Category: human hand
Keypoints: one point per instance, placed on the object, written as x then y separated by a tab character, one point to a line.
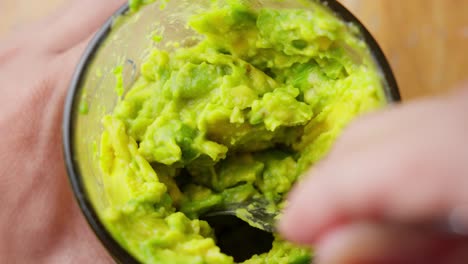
389	188
39	220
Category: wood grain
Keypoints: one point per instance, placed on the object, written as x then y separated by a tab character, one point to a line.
426	41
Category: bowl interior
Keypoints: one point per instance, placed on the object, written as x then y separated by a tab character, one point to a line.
121	45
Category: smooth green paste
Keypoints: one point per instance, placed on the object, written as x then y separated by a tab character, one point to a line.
242	113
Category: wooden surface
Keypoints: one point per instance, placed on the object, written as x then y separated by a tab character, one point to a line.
426	41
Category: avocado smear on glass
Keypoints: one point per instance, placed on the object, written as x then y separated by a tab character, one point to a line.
241	114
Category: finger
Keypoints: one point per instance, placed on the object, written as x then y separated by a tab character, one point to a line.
388	180
380	126
374	243
77	22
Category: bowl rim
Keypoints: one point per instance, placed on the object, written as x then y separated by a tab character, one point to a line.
117	252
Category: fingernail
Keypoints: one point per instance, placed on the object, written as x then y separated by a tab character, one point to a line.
286	222
356	243
289	216
332	248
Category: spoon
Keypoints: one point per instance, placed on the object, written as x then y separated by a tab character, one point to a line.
261	214
257	212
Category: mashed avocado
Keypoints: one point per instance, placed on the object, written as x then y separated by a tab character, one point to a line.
240	114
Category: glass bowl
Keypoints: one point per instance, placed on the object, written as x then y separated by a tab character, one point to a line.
123	41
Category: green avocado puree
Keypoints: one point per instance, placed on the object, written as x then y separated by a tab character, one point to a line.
242	113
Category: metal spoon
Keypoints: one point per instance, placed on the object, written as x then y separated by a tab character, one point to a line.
257	212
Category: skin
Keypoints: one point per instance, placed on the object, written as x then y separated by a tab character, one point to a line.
40	221
422	179
388	175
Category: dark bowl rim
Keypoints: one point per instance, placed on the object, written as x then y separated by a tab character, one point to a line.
119	254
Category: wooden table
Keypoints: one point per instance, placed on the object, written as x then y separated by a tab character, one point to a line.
426	41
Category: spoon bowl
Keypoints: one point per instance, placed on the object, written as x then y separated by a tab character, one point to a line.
257	212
